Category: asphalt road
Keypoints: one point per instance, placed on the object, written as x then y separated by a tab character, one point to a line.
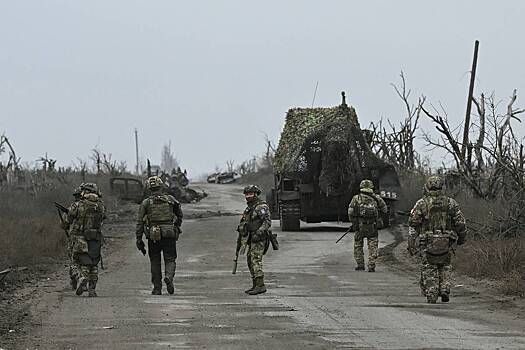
315	299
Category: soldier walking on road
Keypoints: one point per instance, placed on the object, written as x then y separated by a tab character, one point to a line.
436	223
364	212
84	220
159	218
254	230
74	268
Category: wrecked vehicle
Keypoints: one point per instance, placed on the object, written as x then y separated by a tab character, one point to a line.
321	158
127	188
223	178
176	184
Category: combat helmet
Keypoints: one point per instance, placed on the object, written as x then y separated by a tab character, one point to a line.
366	186
252	189
90	187
154	183
434	183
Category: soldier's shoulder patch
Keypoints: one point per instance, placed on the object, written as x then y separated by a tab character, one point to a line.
263	210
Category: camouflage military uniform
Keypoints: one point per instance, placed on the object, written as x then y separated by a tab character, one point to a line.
160	218
436	222
254	228
74	268
364	213
84	220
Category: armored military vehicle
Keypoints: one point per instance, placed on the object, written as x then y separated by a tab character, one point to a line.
322	156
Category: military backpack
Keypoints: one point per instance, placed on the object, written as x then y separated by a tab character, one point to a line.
367	209
91	213
437	226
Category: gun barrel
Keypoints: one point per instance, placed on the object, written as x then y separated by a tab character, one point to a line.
61	207
343	236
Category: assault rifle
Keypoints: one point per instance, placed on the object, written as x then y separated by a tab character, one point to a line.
344	234
61	209
241	248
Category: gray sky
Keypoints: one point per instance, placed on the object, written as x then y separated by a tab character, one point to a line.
211	76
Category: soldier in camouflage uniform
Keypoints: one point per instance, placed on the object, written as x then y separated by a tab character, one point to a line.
365	212
84	220
159	218
436	223
74	268
254	228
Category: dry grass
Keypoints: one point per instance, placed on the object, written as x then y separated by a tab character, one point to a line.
502	260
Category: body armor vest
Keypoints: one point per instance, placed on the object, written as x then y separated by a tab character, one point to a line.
160	210
89	220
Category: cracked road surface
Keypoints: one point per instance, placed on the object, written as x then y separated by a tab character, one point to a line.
315	299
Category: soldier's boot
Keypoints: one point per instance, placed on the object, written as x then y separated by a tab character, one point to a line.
247	291
259	286
91	288
371	268
445	297
169	276
360	268
81	285
157	290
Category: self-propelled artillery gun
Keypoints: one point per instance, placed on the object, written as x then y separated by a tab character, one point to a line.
322	156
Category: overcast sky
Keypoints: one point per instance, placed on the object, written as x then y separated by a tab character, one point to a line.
213	76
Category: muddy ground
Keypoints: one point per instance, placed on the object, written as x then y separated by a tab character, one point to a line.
315	299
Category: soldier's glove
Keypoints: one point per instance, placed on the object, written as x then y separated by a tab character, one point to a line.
141	246
460	241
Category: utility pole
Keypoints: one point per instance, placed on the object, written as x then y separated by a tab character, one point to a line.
315	93
137	151
469	101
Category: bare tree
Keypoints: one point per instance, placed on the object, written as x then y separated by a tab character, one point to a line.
397	144
229	165
168	161
48	164
96	157
496	156
113	167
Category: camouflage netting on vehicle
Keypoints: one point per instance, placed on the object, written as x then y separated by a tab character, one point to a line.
300	123
327	144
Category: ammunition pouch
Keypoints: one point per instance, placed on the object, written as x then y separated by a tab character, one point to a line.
80	245
155	234
442	259
159	231
439	242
